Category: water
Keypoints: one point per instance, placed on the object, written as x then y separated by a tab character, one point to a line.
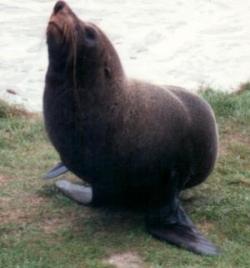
186	43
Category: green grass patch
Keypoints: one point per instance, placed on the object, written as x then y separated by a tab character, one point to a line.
41	228
228	106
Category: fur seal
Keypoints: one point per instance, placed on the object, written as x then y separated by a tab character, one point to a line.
130	140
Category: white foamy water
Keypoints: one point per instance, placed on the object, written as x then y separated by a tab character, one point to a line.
186	43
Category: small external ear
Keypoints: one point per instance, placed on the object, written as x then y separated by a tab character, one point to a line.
107	71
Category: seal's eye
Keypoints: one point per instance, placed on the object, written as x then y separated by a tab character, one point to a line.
90	36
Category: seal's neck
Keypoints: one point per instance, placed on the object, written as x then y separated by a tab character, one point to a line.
87	86
97	87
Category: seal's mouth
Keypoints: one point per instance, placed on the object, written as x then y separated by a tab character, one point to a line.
53	27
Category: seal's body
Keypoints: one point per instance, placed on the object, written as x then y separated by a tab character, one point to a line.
125	137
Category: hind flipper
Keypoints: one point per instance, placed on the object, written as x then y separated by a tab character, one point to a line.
176	228
56	171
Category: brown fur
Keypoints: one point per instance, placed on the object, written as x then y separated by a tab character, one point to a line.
121	135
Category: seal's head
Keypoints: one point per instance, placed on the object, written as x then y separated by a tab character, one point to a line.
78	44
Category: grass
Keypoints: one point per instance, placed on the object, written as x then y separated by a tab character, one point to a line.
41	228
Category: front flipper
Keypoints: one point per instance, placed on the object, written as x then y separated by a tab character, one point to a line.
176	228
78	193
56	171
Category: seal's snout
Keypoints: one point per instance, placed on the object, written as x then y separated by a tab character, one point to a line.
61	19
61	25
60	5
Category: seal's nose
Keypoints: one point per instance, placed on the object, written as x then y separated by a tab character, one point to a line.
59	6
